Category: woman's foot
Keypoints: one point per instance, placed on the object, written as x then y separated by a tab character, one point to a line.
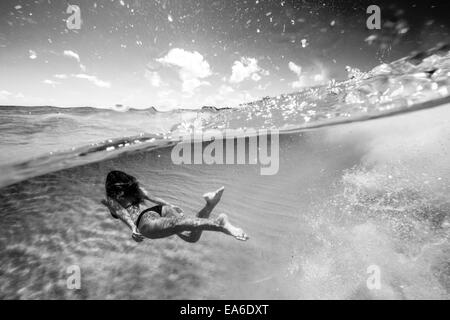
212	198
236	232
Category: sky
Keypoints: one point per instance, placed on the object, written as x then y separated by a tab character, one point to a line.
188	54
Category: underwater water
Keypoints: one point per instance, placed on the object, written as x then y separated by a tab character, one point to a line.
363	181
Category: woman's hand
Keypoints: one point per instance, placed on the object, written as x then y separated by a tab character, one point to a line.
137	236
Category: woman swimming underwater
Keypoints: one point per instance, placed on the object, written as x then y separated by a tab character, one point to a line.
125	196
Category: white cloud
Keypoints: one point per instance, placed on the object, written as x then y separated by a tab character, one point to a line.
295	68
256	77
4	94
319	77
246	68
224	89
189	61
192	83
72	54
50	82
298	71
61	76
192	68
153	77
32	54
93	79
307	80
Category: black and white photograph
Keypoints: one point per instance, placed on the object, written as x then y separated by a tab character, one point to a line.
224	150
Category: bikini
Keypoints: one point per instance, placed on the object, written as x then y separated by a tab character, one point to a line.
157	209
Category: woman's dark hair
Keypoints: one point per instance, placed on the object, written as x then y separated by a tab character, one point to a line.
123	188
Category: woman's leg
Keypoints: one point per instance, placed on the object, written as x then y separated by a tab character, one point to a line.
212	199
155	228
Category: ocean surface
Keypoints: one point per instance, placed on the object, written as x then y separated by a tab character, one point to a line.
363	181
